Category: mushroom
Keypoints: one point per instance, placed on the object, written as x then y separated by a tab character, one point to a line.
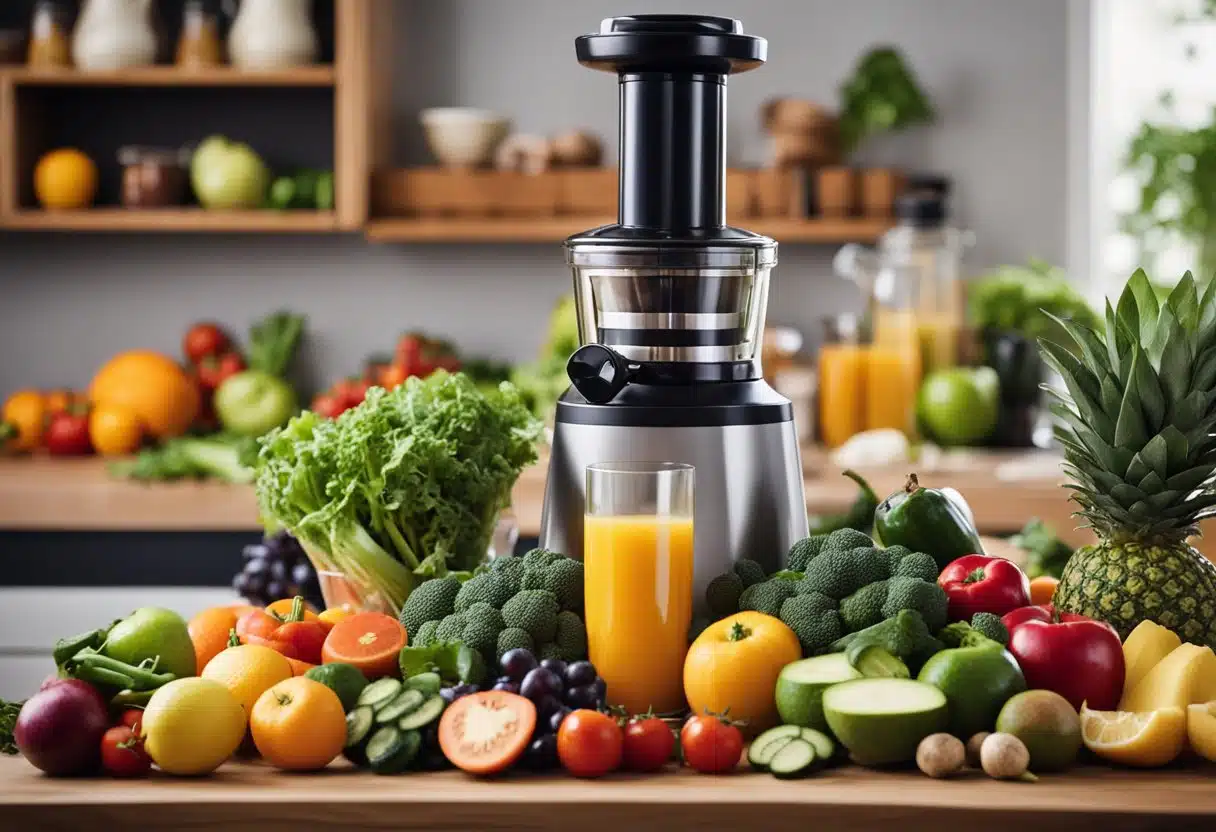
524	153
577	148
940	755
973	748
1005	757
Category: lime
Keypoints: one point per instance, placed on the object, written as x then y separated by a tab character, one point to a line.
152	632
346	680
959	406
1047	725
977	681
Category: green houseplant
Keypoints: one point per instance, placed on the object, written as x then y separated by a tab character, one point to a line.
881	96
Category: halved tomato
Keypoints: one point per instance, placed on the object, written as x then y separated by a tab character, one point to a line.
485	733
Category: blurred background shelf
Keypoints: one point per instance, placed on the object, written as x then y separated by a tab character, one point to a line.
171	220
172	76
556	229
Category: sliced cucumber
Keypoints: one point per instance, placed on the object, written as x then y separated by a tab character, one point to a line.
424	715
428	683
795	758
405	702
825	746
763	747
390	750
358	725
379	693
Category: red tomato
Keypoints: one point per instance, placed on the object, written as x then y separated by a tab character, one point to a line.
392	376
203	340
648	744
350	392
328	406
213	370
131	718
589	743
68	434
122	754
711	744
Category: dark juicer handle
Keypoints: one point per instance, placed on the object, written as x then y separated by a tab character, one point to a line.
599	373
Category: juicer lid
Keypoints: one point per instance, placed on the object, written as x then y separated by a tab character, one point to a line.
693	248
671	43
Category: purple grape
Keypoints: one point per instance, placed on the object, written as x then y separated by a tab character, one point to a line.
542	753
517	663
556	665
255	551
278	570
547	706
580	673
302	574
555	721
601	688
540	682
276	589
240	583
448	695
508	686
258	566
584	696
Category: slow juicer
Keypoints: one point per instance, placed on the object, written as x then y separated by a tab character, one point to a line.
671	306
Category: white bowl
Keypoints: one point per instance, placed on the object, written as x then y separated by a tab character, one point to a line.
463	137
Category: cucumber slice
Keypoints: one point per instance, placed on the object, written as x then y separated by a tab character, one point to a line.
825	746
390	751
424	715
379	693
358	725
405	702
763	747
428	683
795	758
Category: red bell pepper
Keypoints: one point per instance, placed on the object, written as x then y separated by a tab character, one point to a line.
1077	657
293	635
979	583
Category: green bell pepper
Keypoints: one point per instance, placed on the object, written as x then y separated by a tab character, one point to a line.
935	521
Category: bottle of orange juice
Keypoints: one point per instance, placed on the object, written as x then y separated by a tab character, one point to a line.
842	380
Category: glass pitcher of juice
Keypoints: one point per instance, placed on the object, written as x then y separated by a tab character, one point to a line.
842	380
638	569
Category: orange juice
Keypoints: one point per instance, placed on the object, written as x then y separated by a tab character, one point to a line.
842	382
638	577
893	371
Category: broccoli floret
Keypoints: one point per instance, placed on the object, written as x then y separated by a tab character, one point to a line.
534	610
814	619
864	607
486	588
751	572
450	628
425	635
511	638
842	540
510	570
914	594
540	558
564	578
991	626
430	601
766	597
895	554
916	565
482	624
805	551
571	638
839	574
904	635
722	595
549	650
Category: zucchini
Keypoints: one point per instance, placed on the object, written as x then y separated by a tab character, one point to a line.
763	747
795	758
358	725
379	693
424	715
427	683
390	751
405	702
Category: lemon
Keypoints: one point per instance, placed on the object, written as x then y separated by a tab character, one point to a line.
1201	729
191	726
248	671
1135	738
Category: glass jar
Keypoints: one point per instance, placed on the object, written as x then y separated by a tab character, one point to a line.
199	45
842	379
153	177
49	45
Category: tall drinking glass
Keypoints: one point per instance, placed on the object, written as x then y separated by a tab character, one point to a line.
637	555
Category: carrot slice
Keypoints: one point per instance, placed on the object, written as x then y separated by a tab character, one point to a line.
484	733
368	640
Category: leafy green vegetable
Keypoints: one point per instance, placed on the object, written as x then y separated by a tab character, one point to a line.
408	484
220	457
8	721
1046	553
1022	298
881	96
543	381
453	661
273	341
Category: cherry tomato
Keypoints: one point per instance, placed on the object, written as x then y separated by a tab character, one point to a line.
67	434
131	718
213	370
203	340
394	375
648	744
350	392
57	401
328	406
122	753
711	744
589	743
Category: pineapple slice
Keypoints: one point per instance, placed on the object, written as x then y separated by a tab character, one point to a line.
1201	729
1145	646
1185	677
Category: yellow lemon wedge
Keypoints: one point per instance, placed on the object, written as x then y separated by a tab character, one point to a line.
1201	729
1135	738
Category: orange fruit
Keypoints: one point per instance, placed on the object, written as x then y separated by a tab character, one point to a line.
114	430
248	671
371	641
26	411
299	725
298	667
153	387
282	608
1043	589
209	631
65	180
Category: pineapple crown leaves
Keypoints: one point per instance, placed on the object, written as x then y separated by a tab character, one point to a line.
1137	414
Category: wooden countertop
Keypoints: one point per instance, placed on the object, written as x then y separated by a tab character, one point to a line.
252	796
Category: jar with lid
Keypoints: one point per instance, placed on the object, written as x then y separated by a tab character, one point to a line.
153	177
49	45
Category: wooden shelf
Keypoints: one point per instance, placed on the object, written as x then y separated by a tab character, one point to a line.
171	220
171	76
556	229
254	796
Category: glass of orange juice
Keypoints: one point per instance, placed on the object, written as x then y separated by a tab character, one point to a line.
842	380
637	556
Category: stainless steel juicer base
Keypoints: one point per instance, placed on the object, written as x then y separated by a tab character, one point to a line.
749	497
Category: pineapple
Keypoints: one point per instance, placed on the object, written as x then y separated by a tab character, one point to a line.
1137	424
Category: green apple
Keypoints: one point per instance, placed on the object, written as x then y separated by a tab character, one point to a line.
153	633
959	406
252	402
228	175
